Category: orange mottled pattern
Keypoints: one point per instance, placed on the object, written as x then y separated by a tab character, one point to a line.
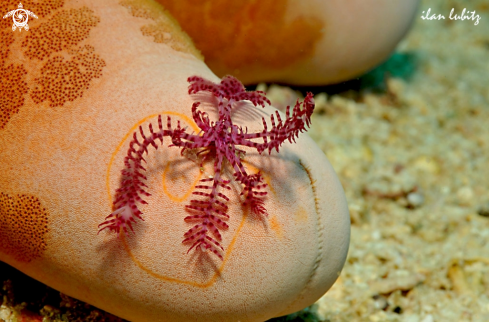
12	77
227	31
64	67
23	226
62	81
13	86
64	30
12	83
164	28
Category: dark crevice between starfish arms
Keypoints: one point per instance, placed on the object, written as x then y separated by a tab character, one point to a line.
220	138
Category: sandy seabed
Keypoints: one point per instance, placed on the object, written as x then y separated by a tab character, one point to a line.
414	163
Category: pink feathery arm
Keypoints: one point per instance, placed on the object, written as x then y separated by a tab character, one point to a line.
209	212
282	130
132	189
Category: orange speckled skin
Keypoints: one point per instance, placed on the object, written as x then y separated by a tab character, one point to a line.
111	66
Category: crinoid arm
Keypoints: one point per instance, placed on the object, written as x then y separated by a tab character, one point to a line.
132	189
220	138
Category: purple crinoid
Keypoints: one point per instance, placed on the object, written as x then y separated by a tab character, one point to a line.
221	137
